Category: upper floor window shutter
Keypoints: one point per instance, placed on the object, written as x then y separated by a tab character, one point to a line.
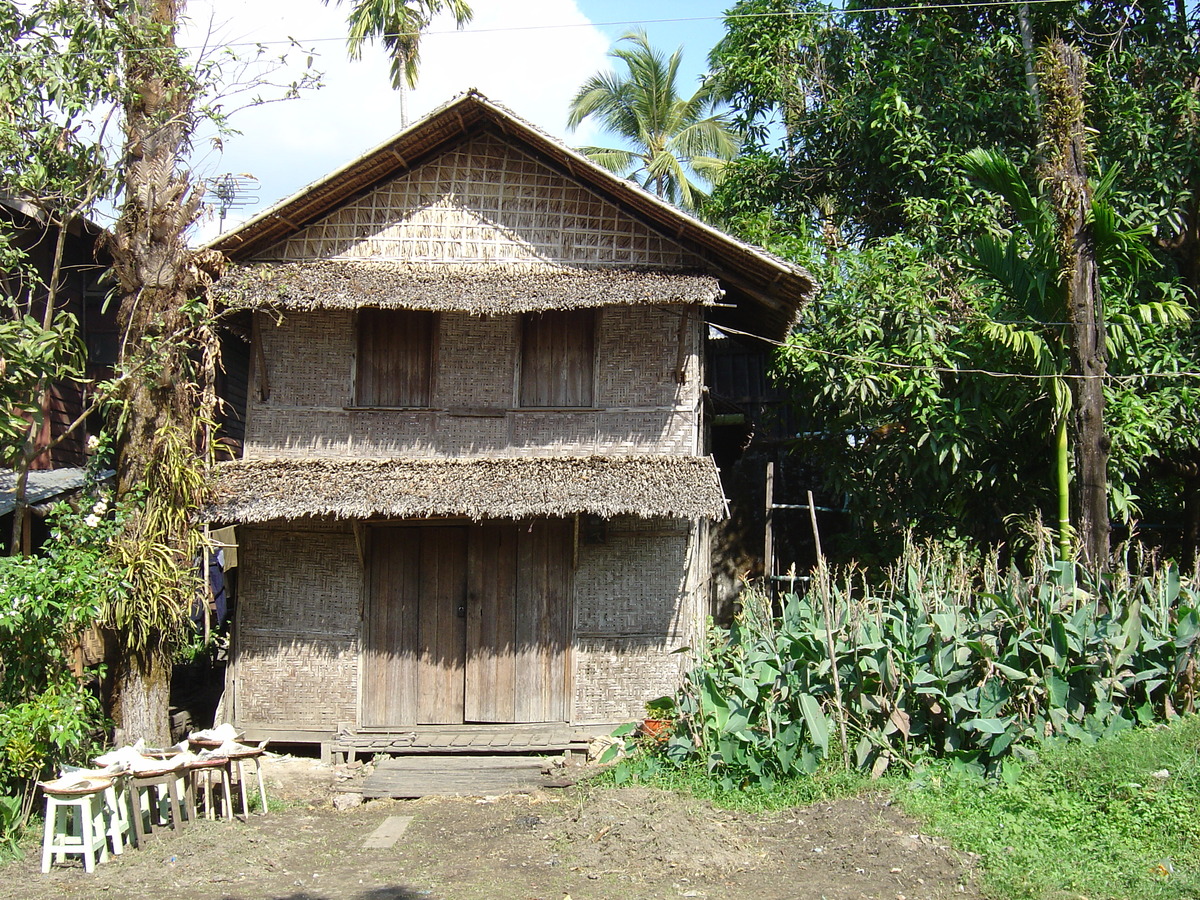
395	357
558	355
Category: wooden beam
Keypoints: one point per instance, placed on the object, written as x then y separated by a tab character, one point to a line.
769	531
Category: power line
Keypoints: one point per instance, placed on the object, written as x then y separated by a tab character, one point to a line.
682	20
951	370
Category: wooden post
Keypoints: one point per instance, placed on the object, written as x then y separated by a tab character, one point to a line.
822	584
769	535
209	598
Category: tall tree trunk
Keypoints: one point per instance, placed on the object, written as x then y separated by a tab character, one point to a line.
1027	55
157	275
1066	172
141	702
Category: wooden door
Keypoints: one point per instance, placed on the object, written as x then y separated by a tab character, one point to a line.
519	622
416	626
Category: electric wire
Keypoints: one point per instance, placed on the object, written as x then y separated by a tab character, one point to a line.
682	20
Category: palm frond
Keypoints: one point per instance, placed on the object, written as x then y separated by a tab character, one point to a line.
996	172
711	136
617	161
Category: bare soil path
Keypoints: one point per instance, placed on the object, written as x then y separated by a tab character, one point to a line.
581	843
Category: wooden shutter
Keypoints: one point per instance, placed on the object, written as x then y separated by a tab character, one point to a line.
519	621
416	626
558	353
395	357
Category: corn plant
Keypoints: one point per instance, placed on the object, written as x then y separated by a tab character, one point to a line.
944	657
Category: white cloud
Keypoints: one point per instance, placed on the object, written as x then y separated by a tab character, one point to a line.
506	52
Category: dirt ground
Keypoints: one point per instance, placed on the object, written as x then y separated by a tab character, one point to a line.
578	843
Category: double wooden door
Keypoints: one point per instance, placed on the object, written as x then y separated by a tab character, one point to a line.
467	623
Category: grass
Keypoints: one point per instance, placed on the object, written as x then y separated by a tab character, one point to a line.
828	783
1091	822
1085	822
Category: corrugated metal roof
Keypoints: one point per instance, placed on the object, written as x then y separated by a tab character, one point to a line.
43	486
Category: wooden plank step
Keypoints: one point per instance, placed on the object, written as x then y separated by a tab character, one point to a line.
409	777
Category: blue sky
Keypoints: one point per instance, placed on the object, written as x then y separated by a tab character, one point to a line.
529	55
695	26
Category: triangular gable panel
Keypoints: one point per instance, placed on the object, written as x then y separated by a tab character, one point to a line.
484	202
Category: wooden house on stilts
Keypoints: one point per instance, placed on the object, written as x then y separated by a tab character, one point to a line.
473	492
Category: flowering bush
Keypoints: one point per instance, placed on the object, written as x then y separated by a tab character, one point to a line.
47	714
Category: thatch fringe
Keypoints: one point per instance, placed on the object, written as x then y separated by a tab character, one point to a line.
262	490
481	290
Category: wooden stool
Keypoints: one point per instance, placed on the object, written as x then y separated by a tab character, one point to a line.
239	760
116	816
206	771
149	811
76	822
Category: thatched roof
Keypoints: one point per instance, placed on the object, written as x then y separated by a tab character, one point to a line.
263	490
490	290
765	291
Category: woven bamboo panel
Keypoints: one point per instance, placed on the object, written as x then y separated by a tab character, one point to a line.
536	433
483	203
646	341
460	436
309	359
634	584
310	365
475	368
297	684
614	679
649	431
384	433
638	598
279	431
299	613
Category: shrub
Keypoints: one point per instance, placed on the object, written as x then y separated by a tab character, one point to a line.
946	659
48	715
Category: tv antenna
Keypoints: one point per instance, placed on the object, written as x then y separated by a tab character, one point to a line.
232	192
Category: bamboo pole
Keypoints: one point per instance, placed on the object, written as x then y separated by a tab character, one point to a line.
769	531
827	610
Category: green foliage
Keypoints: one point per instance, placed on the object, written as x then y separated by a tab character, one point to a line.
860	119
1116	819
57	68
902	418
829	782
32	356
398	24
47	715
945	658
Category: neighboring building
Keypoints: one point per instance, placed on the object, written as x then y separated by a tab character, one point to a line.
474	490
57	472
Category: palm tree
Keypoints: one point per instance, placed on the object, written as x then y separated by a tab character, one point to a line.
673	138
1031	317
398	24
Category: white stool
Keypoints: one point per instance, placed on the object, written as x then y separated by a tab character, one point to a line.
239	761
117	816
76	822
203	774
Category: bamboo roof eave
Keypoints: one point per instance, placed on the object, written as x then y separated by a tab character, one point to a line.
772	289
646	486
479	290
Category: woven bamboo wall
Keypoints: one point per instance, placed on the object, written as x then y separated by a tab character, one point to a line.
637	599
308	365
298	620
483	203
